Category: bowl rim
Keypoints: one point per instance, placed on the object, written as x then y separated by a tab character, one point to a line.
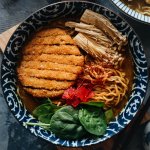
131	12
78	1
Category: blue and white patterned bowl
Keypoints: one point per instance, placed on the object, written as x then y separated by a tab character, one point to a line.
71	10
131	12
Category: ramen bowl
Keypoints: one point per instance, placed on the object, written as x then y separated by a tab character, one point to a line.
71	10
131	12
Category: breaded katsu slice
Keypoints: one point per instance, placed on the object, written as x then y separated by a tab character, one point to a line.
52	49
61	59
48	93
50	64
50	32
53	40
42	65
47	74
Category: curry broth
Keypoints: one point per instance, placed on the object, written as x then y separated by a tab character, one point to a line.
136	4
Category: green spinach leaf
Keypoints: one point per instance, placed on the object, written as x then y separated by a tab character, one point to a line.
109	115
93	120
45	111
45	118
65	123
96	104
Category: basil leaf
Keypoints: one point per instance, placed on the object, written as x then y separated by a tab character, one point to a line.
93	120
65	123
96	104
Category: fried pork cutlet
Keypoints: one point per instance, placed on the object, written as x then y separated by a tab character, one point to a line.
41	92
52	49
50	32
61	59
53	40
50	64
44	83
47	74
41	65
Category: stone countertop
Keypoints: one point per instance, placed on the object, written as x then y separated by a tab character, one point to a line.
12	135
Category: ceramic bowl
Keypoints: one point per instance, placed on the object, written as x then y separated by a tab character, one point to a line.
71	10
134	14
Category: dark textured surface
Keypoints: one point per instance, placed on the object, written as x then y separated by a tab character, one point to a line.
15	11
12	135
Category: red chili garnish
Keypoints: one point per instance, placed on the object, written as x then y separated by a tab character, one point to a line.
69	93
84	93
74	96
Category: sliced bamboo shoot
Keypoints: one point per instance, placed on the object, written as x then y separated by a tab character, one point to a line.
81	25
105	25
99	38
91	31
99	52
91	47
